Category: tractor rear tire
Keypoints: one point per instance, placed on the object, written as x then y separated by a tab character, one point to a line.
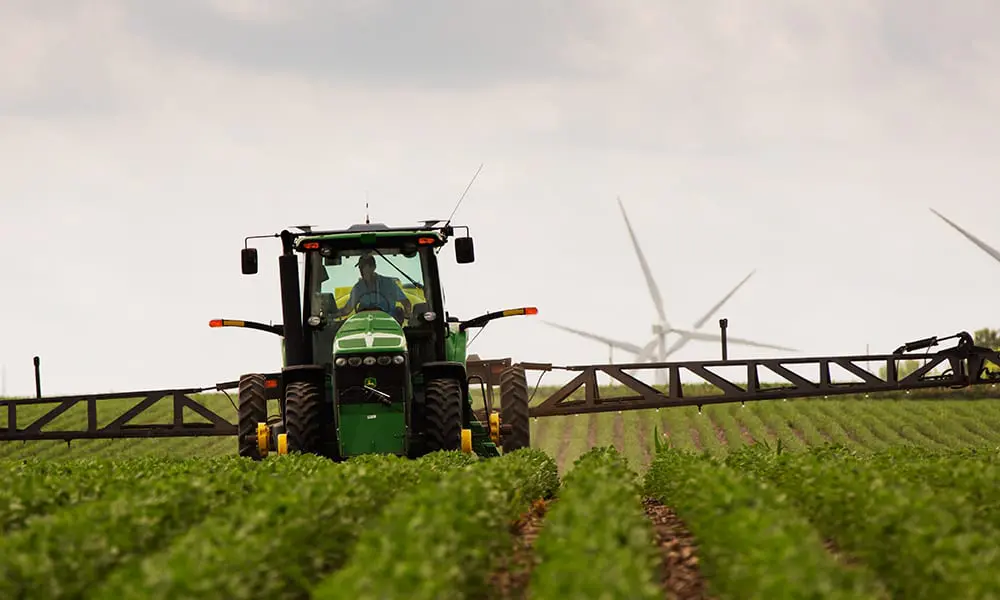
304	418
252	410
443	415
514	408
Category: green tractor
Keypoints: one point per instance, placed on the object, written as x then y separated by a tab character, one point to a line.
372	362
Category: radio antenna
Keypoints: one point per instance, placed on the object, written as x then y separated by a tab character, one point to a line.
448	222
367	218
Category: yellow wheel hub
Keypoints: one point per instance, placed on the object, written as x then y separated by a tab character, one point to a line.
495	428
263	434
466	440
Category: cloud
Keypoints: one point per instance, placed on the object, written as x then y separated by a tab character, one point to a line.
58	62
429	44
724	78
715	79
141	142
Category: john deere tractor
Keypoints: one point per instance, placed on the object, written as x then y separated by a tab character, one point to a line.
372	362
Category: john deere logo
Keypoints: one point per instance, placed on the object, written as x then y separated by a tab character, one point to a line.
370	381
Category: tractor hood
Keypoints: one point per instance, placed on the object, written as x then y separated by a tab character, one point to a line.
369	331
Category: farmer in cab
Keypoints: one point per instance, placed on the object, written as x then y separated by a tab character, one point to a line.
374	291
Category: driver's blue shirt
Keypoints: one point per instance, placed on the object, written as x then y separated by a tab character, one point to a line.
382	294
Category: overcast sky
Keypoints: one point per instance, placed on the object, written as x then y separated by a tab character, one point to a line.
141	141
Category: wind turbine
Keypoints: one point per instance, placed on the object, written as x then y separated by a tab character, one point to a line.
983	245
656	349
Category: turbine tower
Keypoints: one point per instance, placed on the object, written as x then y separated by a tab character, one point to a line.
656	349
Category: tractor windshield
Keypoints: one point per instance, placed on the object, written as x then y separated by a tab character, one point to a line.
356	280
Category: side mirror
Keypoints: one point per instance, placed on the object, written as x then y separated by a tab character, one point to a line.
465	252
248	256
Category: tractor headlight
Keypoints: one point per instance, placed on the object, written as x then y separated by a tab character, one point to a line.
354	361
341	361
384	360
398	359
369	360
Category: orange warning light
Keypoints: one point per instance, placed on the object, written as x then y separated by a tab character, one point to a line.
226	323
528	310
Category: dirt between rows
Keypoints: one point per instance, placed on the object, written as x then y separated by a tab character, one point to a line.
680	574
511	580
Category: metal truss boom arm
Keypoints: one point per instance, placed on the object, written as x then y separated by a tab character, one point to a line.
121	426
966	365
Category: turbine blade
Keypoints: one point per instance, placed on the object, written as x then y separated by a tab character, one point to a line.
650	283
680	343
593	336
714	337
647	350
982	245
718	305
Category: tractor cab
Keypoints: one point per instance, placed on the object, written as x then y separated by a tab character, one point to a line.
376	290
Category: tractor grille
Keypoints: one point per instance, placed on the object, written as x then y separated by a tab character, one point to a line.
389	379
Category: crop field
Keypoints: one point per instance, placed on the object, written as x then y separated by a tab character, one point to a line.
838	498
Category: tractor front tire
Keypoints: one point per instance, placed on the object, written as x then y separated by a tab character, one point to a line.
304	418
443	415
252	410
514	409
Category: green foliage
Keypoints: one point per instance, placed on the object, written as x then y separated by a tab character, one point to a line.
61	554
276	543
657	443
988	338
441	541
597	541
923	538
752	542
970	474
916	517
34	488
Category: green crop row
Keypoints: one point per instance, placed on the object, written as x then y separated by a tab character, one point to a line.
752	542
597	541
34	488
441	541
923	539
968	476
63	553
279	541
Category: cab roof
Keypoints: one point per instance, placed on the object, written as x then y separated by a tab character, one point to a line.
362	235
